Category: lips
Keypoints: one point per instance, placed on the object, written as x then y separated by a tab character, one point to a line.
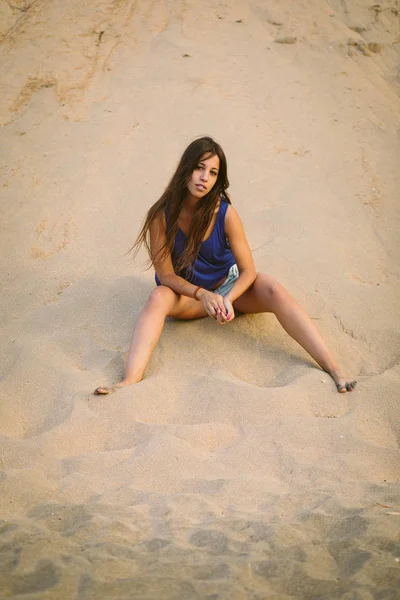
201	187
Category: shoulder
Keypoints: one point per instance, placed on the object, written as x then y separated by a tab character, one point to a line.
233	224
159	223
232	215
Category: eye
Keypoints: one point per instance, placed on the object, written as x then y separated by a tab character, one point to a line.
199	167
214	173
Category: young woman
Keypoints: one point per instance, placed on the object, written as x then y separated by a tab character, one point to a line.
204	266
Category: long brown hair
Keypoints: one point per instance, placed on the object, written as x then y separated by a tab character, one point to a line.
171	203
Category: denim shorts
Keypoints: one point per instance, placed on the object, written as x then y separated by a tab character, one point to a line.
227	284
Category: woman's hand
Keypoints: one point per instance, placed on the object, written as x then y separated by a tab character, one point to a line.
230	313
213	305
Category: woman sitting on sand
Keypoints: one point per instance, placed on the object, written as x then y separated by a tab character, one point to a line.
204	265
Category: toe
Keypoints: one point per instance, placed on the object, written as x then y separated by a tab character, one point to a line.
345	386
101	391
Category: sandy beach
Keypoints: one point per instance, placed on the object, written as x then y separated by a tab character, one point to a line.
234	470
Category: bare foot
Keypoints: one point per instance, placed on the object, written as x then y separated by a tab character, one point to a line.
103	390
343	385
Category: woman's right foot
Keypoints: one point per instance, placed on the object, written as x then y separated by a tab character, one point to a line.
103	390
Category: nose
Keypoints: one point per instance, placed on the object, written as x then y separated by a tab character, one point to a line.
204	175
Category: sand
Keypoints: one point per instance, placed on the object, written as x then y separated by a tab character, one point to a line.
233	470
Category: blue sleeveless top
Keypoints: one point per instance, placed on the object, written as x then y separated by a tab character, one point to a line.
215	257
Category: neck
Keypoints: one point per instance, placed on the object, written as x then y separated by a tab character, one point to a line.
190	202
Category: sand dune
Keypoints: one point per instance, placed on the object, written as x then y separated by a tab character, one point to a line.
233	470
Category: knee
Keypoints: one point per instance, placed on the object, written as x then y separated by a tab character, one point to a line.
160	298
275	293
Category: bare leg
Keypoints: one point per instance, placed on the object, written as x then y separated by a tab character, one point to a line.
267	295
163	302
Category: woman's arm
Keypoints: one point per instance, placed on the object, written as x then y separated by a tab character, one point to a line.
163	264
213	303
242	253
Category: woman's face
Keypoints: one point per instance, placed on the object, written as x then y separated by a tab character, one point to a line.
204	176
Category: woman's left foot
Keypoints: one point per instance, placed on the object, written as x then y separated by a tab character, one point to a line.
344	385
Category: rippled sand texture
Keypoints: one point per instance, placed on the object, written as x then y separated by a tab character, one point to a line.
234	470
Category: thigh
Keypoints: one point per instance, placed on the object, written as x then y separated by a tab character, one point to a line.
163	300
186	308
262	296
